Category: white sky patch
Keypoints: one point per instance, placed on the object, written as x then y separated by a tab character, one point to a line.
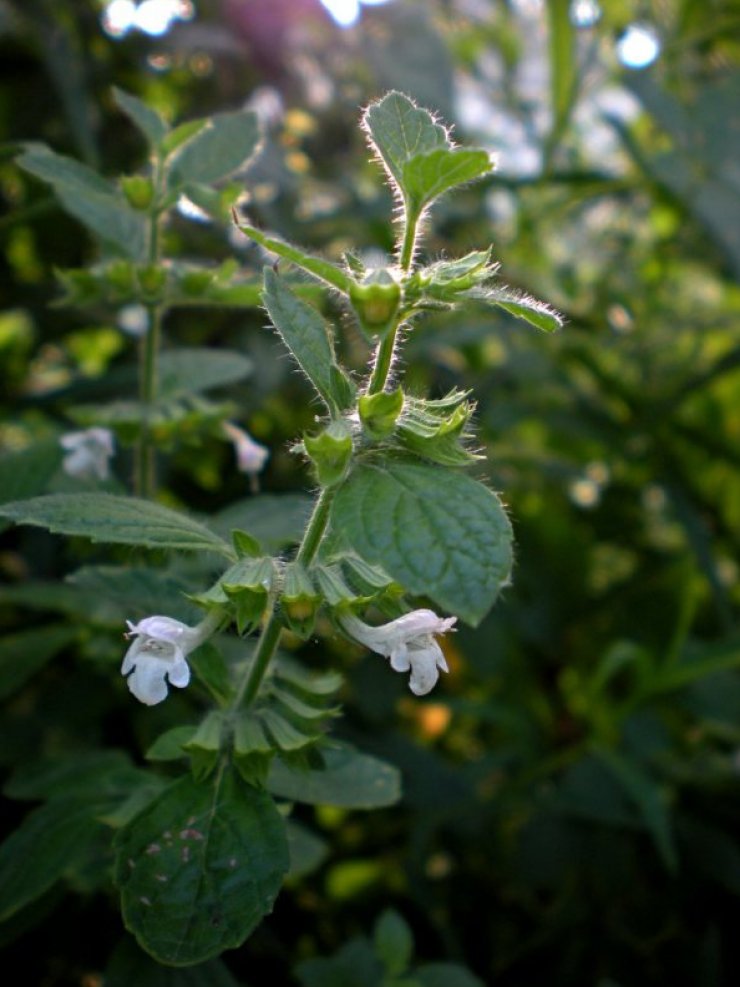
153	17
347	12
638	46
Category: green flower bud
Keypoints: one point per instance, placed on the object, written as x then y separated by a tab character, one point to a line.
120	276
376	301
331	452
379	412
248	584
152	280
139	191
195	283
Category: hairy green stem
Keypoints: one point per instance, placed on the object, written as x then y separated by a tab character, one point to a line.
411	223
383	360
270	636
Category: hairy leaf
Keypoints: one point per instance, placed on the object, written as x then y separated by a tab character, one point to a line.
223	146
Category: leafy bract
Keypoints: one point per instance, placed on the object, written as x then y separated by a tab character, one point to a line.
200	867
437	532
106	517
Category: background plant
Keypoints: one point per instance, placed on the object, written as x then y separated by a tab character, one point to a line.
613	442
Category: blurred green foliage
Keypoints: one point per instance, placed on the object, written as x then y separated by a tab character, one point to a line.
571	798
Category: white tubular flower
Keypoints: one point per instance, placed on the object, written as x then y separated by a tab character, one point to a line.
251	456
88	453
409	642
157	656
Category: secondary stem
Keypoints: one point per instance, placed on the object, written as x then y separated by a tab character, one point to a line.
383	360
270	636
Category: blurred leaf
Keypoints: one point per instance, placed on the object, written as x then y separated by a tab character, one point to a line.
89	198
108	518
354	965
26	473
135	592
25	652
148	121
651	804
307	851
188	370
129	966
446	975
393	942
435	531
225	145
349	779
220	847
276	520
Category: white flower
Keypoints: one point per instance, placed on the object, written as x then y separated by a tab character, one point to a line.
251	456
409	642
157	656
88	453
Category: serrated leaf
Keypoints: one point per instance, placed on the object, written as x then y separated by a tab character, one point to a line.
399	130
222	147
427	176
148	121
188	370
200	868
109	518
89	198
435	531
307	337
26	652
349	779
418	153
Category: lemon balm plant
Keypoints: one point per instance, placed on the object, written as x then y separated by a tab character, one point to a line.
401	541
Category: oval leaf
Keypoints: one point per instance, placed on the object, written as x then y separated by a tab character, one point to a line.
435	531
200	867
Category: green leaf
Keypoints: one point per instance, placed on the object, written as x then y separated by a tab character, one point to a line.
200	868
435	531
188	370
130	967
354	965
446	975
100	773
89	198
393	942
537	313
27	472
148	121
135	592
307	851
317	266
279	518
417	152
169	745
222	147
427	176
646	795
50	841
307	337
109	518
350	779
24	653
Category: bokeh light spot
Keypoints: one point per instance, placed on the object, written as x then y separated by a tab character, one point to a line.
638	46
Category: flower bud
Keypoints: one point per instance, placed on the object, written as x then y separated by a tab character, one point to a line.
376	301
152	280
379	412
300	601
139	191
331	452
248	584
